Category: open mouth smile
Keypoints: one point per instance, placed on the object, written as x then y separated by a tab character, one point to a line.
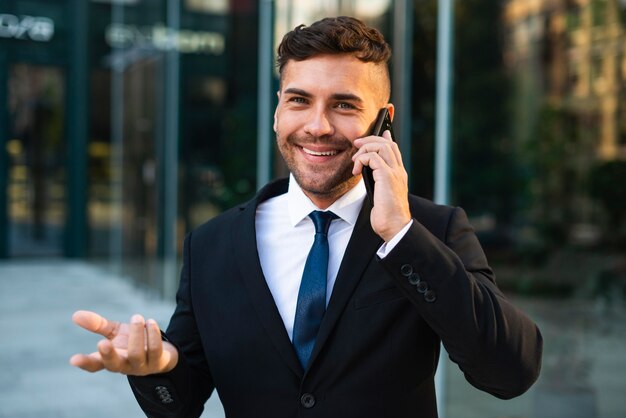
320	153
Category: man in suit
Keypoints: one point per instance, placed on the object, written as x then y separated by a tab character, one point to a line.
402	274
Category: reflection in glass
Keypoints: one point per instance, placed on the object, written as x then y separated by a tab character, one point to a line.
208	6
539	161
36	175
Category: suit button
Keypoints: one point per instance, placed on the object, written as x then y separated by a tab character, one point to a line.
307	400
422	286
430	296
164	394
414	279
406	270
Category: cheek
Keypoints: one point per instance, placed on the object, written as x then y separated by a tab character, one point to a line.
353	128
353	134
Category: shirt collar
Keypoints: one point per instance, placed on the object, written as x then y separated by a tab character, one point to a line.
347	207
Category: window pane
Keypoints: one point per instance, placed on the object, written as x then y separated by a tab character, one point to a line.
37	195
539	163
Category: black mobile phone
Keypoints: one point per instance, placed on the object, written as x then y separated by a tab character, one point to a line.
381	124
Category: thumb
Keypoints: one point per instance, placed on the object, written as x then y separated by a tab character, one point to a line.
93	322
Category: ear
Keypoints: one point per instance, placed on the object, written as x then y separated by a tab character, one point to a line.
275	126
391	109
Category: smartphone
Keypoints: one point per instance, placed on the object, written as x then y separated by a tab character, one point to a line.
381	124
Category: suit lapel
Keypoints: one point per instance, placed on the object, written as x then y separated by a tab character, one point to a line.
244	234
360	251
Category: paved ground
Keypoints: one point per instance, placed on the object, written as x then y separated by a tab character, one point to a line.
583	376
38	338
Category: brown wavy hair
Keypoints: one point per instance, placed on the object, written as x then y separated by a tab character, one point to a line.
334	35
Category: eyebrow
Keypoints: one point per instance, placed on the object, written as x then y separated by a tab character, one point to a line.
337	96
299	92
349	97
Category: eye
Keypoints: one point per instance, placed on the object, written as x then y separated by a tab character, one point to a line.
298	100
345	105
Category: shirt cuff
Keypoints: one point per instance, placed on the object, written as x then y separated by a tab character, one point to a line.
390	245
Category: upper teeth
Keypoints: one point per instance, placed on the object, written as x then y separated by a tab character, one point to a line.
325	153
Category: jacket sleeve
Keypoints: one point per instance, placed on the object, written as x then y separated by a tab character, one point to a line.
182	392
497	346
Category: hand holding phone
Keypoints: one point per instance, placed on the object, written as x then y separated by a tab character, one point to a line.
381	124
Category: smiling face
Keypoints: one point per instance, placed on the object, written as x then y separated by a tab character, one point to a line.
325	103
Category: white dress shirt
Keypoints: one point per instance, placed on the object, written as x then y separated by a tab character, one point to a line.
285	234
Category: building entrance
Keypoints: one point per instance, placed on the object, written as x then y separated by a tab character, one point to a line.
36	175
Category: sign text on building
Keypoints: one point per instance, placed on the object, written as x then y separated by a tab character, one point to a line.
35	28
165	39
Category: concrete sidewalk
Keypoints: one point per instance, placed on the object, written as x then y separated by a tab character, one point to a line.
38	337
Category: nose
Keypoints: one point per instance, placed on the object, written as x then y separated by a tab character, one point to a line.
318	123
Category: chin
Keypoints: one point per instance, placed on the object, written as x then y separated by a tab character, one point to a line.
327	187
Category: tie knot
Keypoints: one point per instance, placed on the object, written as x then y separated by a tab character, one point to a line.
322	220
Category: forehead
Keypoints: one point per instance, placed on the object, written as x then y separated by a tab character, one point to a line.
329	74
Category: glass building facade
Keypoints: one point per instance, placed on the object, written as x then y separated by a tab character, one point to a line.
126	123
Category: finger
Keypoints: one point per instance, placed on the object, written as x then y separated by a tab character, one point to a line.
93	322
358	165
362	159
394	147
383	139
386	141
384	150
91	363
137	342
372	160
155	343
110	359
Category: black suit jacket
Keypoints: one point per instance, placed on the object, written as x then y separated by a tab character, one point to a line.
378	344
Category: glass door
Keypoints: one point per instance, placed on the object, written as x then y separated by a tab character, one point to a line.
36	183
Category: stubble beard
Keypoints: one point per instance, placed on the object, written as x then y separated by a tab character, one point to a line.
317	181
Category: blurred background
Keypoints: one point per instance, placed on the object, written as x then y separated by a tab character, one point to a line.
126	123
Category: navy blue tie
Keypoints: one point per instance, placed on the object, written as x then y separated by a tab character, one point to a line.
312	295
